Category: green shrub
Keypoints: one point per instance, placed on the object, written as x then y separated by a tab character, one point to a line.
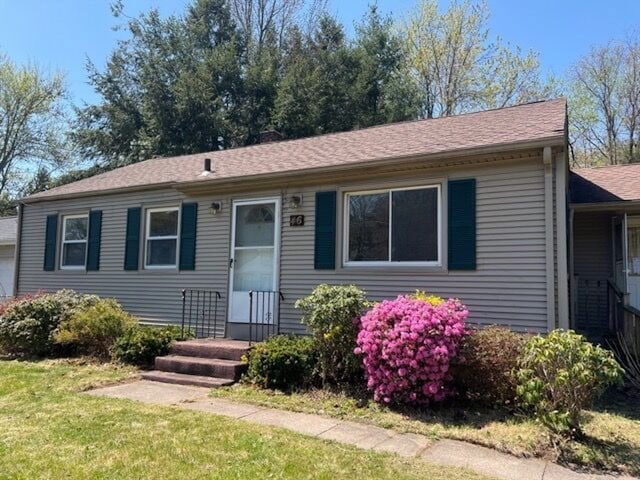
488	374
141	345
27	326
283	362
562	374
95	329
10	302
332	314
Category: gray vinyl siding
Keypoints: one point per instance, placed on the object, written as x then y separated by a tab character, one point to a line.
508	287
154	295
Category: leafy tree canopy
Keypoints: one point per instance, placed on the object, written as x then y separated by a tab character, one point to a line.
222	71
226	70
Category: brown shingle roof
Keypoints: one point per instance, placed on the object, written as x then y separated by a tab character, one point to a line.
512	125
614	183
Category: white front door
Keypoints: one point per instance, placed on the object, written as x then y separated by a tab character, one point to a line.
633	259
255	238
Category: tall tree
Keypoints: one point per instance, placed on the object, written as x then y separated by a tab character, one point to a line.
173	87
31	122
458	66
260	19
225	70
264	26
296	112
316	94
381	90
201	81
336	67
596	115
605	104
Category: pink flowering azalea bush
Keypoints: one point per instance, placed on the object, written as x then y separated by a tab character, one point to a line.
407	347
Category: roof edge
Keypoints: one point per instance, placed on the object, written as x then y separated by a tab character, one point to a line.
551	141
91	193
593	206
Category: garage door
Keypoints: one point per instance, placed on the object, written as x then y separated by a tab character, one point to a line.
6	271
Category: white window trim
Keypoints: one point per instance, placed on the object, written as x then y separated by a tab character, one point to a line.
175	237
64	242
381	263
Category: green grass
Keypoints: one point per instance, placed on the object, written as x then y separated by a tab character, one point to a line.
48	429
612	431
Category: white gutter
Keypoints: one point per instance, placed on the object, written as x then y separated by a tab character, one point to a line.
549	250
561	221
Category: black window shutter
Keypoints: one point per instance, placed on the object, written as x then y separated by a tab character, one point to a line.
132	242
325	242
50	243
462	224
188	227
93	246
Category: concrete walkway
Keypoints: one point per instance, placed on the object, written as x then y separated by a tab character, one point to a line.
444	452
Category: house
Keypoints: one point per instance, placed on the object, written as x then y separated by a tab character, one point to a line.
605	236
7	251
472	206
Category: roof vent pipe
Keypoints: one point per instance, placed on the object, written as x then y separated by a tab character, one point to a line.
207	168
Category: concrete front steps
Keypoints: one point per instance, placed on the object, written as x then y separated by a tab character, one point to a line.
206	362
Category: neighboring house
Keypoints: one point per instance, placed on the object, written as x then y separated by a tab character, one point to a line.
7	254
605	209
471	206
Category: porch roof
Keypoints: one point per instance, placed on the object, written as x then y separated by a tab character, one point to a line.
615	184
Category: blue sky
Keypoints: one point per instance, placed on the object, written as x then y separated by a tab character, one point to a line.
61	34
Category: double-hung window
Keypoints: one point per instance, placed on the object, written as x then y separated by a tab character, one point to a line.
393	226
161	237
75	229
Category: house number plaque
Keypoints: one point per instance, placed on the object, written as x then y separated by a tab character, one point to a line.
296	220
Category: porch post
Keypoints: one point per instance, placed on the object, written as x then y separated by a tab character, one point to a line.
561	221
547	160
572	278
625	256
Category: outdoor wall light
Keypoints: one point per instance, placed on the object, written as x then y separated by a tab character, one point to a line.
215	207
295	201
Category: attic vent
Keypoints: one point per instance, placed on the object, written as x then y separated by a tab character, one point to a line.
269	136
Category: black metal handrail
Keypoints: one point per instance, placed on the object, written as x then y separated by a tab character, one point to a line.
625	318
264	314
616	305
200	313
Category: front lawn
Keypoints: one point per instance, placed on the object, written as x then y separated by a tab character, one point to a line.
48	429
613	431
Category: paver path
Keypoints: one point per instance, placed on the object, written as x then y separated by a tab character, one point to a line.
444	452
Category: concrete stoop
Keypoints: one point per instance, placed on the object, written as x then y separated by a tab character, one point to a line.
207	363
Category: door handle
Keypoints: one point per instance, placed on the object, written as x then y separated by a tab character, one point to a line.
231	263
